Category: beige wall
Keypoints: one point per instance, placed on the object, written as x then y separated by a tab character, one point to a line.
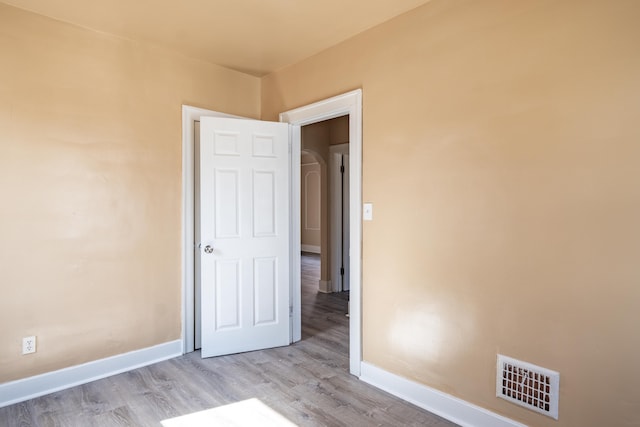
338	130
317	137
501	151
90	188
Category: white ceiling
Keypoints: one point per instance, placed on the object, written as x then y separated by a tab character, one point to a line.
252	36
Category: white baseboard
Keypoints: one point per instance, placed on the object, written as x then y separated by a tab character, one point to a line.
449	407
39	385
310	248
324	286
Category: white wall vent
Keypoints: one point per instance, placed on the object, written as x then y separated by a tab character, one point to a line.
528	385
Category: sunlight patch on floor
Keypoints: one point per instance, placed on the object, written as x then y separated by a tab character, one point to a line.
246	413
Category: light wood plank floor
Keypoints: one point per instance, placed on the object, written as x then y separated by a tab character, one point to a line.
308	382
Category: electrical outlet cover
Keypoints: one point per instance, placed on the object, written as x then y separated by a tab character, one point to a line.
28	345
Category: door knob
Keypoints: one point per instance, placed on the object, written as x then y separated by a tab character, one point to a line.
208	249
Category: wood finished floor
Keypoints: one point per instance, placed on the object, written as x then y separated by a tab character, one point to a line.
308	382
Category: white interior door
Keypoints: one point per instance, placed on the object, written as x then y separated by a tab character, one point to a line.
244	225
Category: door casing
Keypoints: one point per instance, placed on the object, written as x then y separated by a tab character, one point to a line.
349	104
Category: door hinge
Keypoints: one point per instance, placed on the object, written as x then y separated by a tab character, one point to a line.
341	169
342	271
290	311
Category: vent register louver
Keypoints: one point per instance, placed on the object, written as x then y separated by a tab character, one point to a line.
528	385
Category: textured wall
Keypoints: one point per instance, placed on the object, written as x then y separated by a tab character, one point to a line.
90	188
500	149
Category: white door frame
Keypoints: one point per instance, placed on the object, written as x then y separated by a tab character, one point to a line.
350	104
346	104
336	214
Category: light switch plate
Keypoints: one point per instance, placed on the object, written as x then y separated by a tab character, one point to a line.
367	212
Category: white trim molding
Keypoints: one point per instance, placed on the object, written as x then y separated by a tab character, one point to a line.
350	104
449	407
324	286
310	248
335	217
39	385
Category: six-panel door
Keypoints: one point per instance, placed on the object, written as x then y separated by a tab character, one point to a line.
244	219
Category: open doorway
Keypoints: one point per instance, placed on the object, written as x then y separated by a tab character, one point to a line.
324	219
324	213
324	187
